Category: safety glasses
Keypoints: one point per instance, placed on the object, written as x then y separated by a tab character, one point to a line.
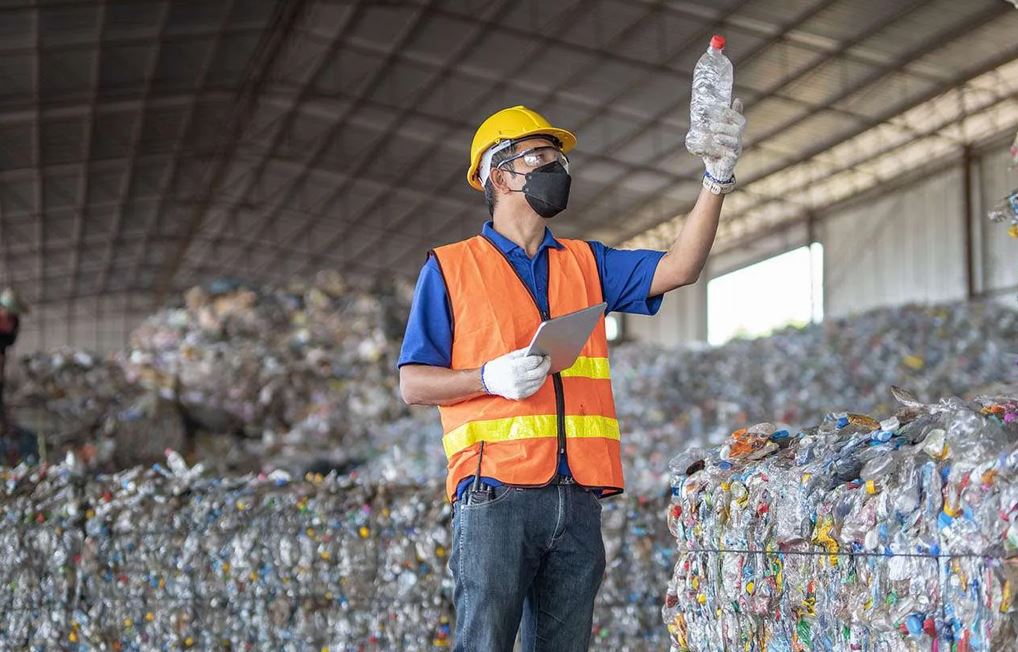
538	157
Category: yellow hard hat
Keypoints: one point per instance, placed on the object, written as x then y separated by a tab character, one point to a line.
511	124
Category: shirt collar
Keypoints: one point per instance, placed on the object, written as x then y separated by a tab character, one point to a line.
508	246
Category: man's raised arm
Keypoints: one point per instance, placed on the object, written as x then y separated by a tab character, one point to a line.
688	254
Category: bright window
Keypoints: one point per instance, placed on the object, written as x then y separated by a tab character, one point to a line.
756	300
612	328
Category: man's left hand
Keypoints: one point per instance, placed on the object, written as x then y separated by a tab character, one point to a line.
724	145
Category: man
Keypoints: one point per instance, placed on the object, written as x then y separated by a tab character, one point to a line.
10	310
530	457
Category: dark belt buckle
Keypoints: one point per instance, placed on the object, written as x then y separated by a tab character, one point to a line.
566	479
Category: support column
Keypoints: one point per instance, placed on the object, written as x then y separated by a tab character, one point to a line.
967	218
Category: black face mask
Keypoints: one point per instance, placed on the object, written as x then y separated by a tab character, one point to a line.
547	189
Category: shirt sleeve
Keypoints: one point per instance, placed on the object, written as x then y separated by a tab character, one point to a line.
428	337
626	276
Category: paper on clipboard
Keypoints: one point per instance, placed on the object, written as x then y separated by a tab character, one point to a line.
563	337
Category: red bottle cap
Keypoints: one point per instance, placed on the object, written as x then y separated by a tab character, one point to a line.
717	42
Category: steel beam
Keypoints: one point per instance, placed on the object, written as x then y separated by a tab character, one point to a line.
933	43
352	19
173	170
667	68
495	88
275	38
181	35
40	210
1004	58
405	37
278	97
810	42
928	46
683	104
127	180
620	111
30	252
86	150
967	222
578	75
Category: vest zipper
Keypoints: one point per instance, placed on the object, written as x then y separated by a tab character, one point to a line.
560	407
560	400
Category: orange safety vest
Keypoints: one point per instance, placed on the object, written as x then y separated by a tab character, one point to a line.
493	313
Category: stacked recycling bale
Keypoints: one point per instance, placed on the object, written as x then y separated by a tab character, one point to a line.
853	534
690	396
302	384
171	556
75	389
78	402
304	377
299	377
303	370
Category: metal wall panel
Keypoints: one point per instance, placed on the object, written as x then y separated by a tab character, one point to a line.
682	318
904	247
997	250
758	249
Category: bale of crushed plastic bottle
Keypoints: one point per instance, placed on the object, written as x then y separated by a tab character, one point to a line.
78	402
303	377
854	534
299	369
172	557
690	396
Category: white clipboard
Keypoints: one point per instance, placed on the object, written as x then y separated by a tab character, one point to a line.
563	337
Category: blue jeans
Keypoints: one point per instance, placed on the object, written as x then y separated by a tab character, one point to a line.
535	553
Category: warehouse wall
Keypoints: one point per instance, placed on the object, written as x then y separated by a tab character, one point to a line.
906	246
94	324
902	243
997	252
682	318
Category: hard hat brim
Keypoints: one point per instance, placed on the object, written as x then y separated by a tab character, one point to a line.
567	139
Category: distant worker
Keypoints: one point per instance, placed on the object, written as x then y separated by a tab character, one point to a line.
11	310
530	458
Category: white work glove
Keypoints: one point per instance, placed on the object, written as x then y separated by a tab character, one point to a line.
515	376
724	144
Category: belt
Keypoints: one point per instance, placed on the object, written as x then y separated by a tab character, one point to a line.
563	479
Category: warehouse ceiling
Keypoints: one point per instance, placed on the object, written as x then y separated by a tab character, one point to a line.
149	145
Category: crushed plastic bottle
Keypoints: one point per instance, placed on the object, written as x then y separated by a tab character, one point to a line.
1006	212
843	538
713	79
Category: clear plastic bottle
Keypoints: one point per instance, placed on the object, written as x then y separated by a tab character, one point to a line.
176	462
712	89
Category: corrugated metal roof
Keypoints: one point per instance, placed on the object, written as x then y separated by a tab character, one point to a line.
150	144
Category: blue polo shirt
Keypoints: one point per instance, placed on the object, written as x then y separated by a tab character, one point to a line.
626	275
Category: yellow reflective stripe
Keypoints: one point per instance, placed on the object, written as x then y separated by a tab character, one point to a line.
531	427
589	368
592	426
528	427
